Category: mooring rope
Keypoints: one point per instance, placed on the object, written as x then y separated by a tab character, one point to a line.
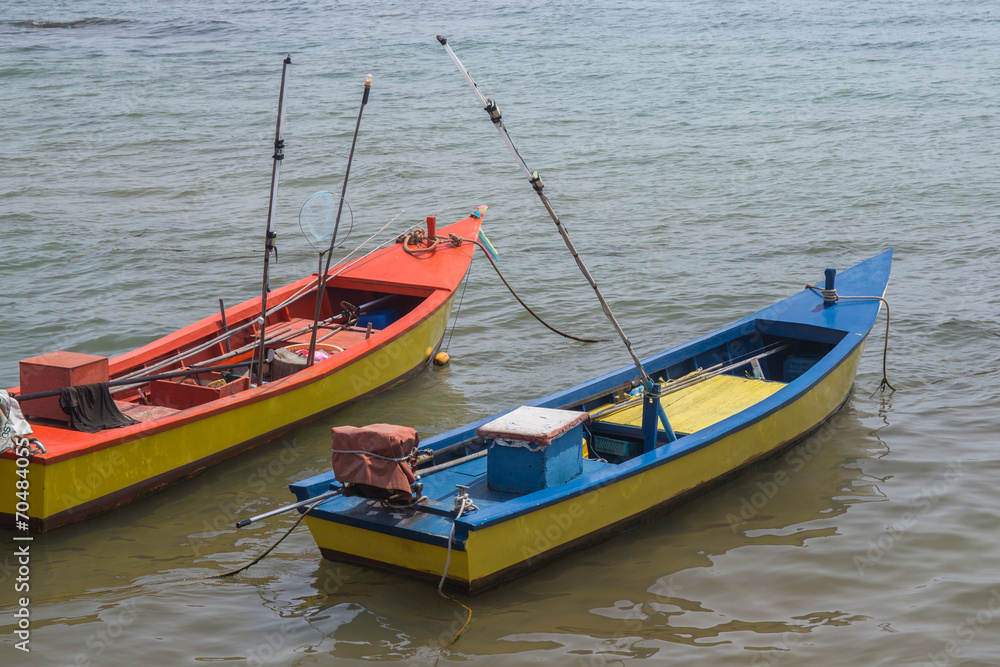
831	296
186	580
464	502
528	308
458	309
413	243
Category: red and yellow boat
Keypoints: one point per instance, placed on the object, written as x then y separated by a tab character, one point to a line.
382	320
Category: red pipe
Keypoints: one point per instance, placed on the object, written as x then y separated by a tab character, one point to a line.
431	228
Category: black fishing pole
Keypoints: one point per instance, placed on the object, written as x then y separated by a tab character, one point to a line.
143	379
321	282
536	182
279	155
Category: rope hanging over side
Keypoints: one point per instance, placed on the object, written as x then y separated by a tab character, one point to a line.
528	308
417	241
832	296
463	503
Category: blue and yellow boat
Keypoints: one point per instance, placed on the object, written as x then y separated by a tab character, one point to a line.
501	496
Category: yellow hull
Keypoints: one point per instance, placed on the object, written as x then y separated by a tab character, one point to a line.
493	553
72	488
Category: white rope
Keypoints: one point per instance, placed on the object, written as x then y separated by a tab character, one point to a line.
464	503
406	457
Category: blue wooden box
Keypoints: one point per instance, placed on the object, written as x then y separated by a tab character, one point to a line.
533	448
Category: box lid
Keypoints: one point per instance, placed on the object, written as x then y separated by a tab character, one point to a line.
63	359
539	426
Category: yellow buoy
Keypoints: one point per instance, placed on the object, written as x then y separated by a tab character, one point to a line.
441	359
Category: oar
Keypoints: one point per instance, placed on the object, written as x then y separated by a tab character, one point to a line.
321	286
279	155
451	464
288	508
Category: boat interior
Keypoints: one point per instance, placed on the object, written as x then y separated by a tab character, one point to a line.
735	370
349	314
702	384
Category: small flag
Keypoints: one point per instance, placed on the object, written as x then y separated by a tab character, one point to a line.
488	246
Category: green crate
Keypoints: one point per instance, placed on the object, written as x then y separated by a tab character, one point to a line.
624	448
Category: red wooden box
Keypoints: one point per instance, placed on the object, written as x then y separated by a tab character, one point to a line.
184	395
56	370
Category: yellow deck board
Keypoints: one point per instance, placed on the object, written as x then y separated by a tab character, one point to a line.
703	404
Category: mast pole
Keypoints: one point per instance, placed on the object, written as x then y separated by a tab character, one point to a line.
321	279
536	182
279	155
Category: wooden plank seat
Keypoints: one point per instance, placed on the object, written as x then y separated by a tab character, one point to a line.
144	413
700	405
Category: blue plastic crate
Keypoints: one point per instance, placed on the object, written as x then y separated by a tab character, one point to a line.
379	319
795	366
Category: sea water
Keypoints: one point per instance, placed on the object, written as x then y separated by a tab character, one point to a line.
708	158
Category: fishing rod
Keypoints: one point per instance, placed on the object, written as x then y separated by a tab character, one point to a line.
491	109
652	409
269	236
333	239
142	379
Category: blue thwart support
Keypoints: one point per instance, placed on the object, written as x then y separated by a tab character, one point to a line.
652	412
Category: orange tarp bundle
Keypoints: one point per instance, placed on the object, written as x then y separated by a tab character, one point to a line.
368	456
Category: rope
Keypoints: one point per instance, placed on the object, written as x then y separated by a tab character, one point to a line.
222	575
413	243
377	456
525	306
416	240
19	443
464	503
831	295
458	310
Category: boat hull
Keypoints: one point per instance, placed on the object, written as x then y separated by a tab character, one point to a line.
82	475
509	549
506	539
